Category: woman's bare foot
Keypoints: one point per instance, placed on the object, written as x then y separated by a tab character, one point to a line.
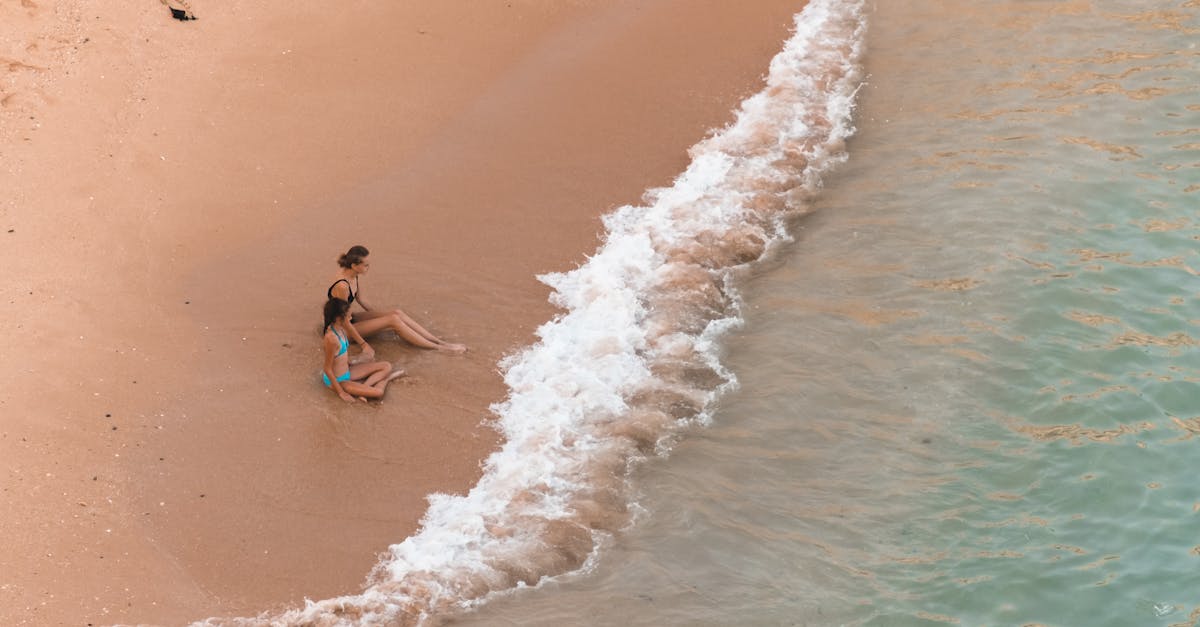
453	348
395	374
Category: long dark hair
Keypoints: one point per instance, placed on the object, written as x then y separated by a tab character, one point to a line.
355	255
334	308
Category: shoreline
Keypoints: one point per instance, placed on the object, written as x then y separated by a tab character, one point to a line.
226	480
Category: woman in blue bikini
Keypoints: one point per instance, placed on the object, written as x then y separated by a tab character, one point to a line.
370	321
361	380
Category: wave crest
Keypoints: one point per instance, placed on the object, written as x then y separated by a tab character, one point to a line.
633	356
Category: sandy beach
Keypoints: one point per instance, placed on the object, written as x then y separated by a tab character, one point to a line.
176	194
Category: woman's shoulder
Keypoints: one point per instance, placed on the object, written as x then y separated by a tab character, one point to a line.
340	284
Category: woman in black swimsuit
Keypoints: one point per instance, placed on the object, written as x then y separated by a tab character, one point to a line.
370	320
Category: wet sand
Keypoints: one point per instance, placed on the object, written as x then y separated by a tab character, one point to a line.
175	197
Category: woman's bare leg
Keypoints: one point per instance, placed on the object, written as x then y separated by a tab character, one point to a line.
458	348
391	376
369	380
371	372
407	319
371	326
372	323
362	390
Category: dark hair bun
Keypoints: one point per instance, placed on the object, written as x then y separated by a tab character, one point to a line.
355	255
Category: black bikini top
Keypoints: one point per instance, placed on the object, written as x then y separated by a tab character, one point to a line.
329	292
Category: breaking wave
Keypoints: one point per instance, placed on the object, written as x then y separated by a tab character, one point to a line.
634	356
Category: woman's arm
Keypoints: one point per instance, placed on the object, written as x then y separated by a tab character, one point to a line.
359	299
342	290
367	351
331	348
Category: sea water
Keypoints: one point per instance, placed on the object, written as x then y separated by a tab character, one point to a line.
968	388
950	380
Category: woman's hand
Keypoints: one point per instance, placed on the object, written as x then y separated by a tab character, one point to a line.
366	355
346	396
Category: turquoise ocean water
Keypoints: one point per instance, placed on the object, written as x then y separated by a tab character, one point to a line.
940	370
967	388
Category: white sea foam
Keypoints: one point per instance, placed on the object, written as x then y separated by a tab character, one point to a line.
634	354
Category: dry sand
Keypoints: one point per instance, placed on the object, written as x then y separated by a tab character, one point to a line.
175	195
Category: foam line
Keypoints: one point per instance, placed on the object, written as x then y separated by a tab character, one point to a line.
634	354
